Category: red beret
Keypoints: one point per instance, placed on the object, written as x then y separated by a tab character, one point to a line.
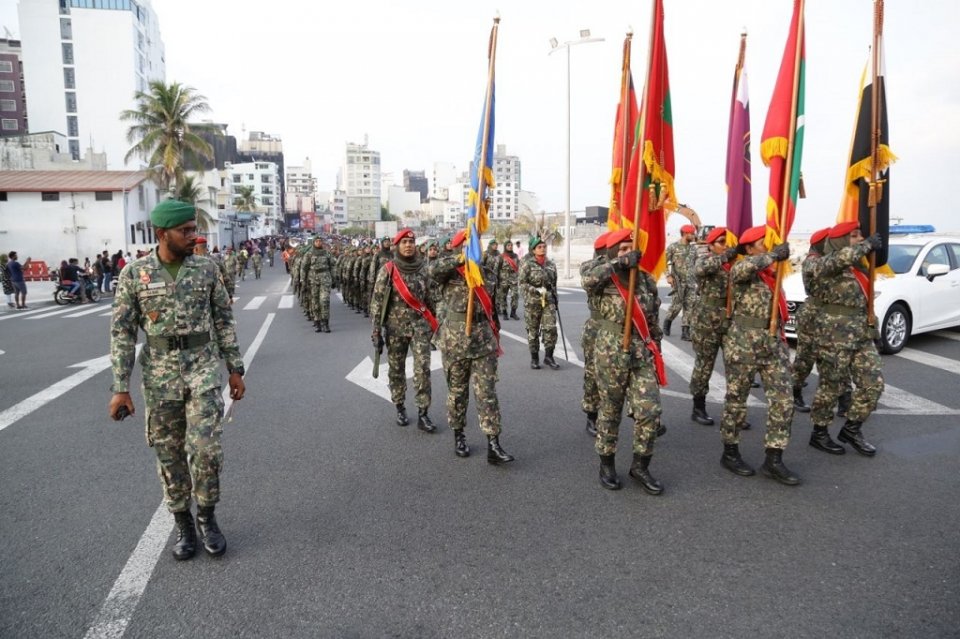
716	234
819	236
753	234
601	241
688	228
844	228
458	239
201	240
614	238
402	234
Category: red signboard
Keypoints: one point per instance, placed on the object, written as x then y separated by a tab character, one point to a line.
308	221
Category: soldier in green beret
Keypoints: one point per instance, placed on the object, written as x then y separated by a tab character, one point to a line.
180	302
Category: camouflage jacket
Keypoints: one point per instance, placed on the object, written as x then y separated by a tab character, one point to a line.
748	338
196	303
506	273
379	258
491	261
257	259
593	298
712	283
454	341
680	260
318	266
400	318
842	302
598	281
533	276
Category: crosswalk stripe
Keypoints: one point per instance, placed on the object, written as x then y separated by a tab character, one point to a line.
255	303
89	311
682	364
32	311
901	402
947	335
286	301
107	314
52	313
929	359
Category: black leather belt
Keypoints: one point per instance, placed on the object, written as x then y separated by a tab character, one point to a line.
164	343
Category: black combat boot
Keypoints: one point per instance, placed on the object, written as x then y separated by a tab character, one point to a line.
460	443
608	473
495	454
513	315
186	545
549	361
326	325
850	434
592	424
820	439
700	411
640	470
685	334
666	326
773	467
732	461
318	327
798	404
535	359
661	429
843	404
210	535
402	415
424	422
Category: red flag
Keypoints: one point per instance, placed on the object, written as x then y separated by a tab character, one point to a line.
624	134
785	118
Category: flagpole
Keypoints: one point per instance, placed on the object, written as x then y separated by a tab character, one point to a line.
736	90
876	192
641	170
625	136
481	169
788	168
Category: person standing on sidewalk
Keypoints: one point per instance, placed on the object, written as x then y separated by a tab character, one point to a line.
5	277
17	281
181	304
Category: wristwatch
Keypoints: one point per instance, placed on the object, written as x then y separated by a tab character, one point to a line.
239	370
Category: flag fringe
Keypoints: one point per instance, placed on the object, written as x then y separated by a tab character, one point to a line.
472	274
862	169
775	147
657	173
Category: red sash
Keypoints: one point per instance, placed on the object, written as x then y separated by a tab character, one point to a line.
409	297
487	305
770	279
640	323
511	262
862	280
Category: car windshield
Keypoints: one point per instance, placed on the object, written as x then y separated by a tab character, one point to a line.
901	257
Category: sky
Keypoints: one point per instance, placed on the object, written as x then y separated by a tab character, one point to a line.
411	77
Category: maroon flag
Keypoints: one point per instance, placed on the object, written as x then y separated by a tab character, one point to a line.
739	206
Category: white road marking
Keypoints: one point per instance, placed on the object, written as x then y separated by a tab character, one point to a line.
362	373
89	311
15	314
563	290
107	314
571	351
118	608
286	287
682	364
928	359
286	301
52	313
901	402
947	335
255	303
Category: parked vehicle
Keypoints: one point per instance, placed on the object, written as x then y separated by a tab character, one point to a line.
62	295
922	296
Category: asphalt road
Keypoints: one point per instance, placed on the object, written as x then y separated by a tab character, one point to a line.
341	524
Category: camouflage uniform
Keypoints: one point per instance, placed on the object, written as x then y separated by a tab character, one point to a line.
294	265
230	272
225	273
181	383
318	265
748	348
680	260
708	321
406	330
508	294
588	339
624	377
306	286
848	351
539	288
466	358
257	264
491	262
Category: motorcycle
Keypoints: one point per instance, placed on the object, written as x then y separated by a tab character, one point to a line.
63	296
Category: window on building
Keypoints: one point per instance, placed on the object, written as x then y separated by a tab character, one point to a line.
6	66
6	86
73	127
103	196
63	7
8	105
236	178
71	100
67	53
9	125
150	237
3	196
74	149
50	196
133	233
141	197
250	176
69	78
66	30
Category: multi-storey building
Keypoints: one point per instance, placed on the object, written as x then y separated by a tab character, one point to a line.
264	177
83	62
505	196
13	101
338	207
444	174
416	182
265	147
360	179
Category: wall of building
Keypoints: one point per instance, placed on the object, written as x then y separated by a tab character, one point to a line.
400	201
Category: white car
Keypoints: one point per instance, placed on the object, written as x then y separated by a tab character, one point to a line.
923	296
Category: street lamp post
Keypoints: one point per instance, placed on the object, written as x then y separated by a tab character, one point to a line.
554	47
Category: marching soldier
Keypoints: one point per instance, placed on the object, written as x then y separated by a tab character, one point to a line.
181	304
230	271
469	359
257	264
849	351
749	348
680	258
491	262
630	378
507	292
318	265
588	338
200	248
709	319
809	332
403	286
381	257
538	282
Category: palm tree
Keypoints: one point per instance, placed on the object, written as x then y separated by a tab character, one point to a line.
192	191
162	134
246	199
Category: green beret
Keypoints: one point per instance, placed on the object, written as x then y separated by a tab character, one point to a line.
532	244
171	213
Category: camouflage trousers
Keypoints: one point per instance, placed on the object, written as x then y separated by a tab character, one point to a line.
707	342
256	272
540	320
588	341
185	435
508	298
320	302
397	348
482	372
837	368
776	375
807	345
623	378
682	301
